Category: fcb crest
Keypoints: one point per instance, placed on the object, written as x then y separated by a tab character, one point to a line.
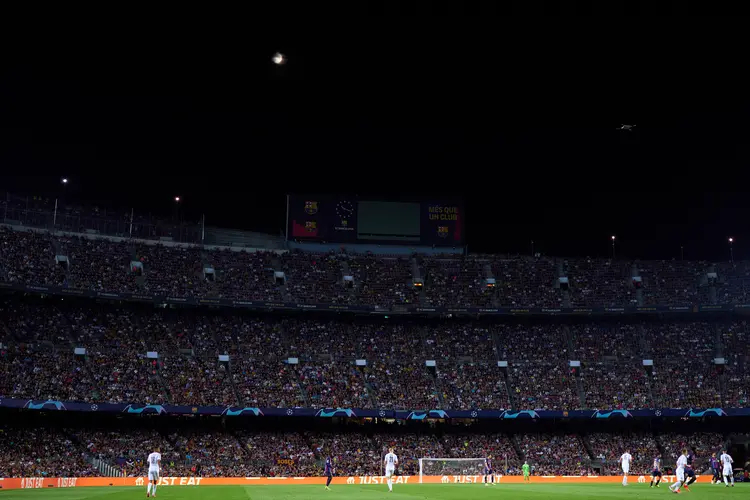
311	207
311	226
442	231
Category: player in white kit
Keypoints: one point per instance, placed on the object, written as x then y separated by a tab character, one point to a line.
726	467
679	472
154	462
391	462
625	460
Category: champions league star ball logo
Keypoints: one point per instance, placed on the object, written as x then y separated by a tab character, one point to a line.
311	207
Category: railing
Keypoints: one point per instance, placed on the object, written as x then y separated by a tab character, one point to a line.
47	214
106	469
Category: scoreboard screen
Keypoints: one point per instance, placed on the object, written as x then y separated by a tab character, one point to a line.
356	220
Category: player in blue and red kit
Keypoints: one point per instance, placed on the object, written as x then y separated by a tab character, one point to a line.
656	473
714	463
328	472
489	476
689	472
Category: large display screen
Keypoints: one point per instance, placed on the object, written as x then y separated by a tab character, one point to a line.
355	220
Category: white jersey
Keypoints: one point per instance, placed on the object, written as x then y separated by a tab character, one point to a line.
625	460
153	461
391	460
681	463
727	462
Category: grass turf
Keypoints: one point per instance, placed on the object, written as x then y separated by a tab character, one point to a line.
373	492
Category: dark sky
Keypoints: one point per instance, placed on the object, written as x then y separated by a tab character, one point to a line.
522	129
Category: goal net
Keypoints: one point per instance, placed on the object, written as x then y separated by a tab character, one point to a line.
450	467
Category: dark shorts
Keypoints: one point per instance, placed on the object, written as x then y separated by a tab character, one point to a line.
487	472
656	472
689	472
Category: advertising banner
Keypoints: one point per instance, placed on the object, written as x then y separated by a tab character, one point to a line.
79	482
238	411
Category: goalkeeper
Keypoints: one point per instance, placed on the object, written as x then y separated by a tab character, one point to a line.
525	469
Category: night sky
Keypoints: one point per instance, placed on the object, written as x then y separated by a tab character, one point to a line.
526	136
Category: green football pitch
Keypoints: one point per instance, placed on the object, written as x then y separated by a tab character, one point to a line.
372	492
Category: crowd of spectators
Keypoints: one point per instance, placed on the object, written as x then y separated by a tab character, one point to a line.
554	455
101	265
195	381
410	447
28	257
218	454
125	449
126	265
39	452
478	386
615	385
526	282
687	385
352	453
45	374
383	282
600	282
600	341
39	335
266	383
403	386
702	444
735	340
498	446
694	340
671	281
609	447
456	282
310	276
538	375
212	452
280	454
334	385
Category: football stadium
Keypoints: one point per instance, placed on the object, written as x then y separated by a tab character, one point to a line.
282	372
422	274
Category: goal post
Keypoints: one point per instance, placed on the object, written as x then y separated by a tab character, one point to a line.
450	467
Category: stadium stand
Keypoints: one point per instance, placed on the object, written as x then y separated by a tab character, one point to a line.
38	335
100	264
206	450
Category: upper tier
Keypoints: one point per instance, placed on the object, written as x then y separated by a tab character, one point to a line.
28	257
